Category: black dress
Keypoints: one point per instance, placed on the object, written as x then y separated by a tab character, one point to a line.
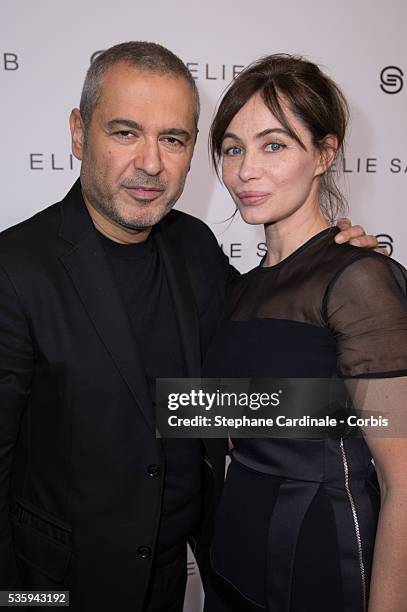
296	524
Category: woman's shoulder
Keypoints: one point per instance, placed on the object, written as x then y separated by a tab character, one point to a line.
362	267
365	306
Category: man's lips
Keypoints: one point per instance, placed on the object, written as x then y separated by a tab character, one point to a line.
145	192
252	197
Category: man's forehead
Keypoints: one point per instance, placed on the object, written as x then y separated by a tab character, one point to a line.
130	91
123	78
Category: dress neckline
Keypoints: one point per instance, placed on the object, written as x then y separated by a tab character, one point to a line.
329	230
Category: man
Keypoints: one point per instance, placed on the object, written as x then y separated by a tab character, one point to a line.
100	294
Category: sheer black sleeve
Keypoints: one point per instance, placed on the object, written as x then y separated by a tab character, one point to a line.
365	306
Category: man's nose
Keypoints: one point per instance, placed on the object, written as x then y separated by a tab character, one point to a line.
148	157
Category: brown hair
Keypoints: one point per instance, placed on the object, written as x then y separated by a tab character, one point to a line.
312	96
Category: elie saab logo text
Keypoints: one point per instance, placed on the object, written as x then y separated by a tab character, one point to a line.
9	61
238	250
391	79
204	71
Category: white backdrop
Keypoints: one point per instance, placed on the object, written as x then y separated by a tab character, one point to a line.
45	49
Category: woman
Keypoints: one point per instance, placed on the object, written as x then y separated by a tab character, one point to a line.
296	526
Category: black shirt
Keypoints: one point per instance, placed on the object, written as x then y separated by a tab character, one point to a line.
141	279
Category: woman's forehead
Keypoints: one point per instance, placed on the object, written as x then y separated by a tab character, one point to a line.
255	117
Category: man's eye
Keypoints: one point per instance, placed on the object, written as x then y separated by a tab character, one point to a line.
232	151
173	142
274	146
124	134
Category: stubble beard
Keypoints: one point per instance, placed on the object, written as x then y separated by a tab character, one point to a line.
105	198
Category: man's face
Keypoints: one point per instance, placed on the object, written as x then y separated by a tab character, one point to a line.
139	145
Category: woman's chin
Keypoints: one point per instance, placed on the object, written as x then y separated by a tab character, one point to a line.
253	217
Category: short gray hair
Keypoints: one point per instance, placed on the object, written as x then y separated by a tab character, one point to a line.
147	56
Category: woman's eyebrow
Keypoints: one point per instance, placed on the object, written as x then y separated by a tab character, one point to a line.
260	134
272	131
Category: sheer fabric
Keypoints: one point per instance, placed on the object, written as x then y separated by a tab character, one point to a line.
360	297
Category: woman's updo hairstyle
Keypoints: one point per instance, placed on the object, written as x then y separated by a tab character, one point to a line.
312	96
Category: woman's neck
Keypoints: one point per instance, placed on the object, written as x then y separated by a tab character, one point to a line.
287	235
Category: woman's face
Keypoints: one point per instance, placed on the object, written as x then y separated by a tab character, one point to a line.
268	174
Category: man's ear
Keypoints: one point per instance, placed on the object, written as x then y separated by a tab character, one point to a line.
328	148
77	133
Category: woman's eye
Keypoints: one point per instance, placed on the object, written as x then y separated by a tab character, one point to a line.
274	146
232	151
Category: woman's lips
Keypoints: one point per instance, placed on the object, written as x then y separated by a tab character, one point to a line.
145	193
252	197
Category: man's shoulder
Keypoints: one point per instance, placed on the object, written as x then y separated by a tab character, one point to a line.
187	228
33	228
181	217
195	242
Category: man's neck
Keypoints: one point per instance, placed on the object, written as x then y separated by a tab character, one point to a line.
114	231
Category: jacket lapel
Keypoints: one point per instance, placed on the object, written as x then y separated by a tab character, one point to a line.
179	281
89	270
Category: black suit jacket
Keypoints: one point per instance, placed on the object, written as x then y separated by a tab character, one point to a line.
79	504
